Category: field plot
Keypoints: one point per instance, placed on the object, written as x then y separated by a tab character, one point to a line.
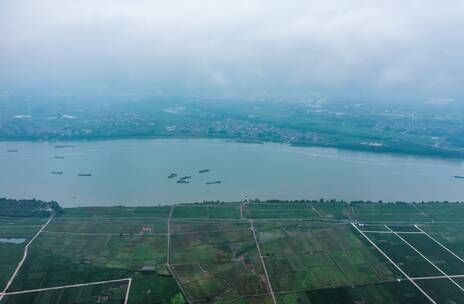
388	212
436	254
402	229
208	211
216	260
205	282
384	293
436	270
442	291
6	222
13	238
18	231
404	256
108	226
373	227
224	212
280	211
333	211
451	236
440	212
193	242
111	293
309	256
62	258
117	212
250	252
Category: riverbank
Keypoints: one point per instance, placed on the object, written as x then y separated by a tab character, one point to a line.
408	149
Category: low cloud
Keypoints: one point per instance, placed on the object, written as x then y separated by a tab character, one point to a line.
346	48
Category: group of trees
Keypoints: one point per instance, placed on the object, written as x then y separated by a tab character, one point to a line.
328	201
28	208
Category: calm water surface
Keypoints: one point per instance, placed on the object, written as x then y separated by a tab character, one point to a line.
134	172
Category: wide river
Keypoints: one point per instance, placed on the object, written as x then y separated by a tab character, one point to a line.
135	172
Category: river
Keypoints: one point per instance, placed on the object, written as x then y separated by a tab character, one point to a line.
134	172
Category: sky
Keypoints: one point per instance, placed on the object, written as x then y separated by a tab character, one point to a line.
247	49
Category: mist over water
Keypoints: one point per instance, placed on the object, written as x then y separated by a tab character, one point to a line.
135	172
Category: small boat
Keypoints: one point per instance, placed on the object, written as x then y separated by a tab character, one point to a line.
12	150
62	146
57	172
203	171
458	176
182	181
214	182
59	157
185	177
172	175
84	174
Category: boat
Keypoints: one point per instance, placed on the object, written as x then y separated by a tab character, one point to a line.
458	176
172	175
203	171
185	177
182	181
62	146
84	174
214	182
12	150
59	157
57	172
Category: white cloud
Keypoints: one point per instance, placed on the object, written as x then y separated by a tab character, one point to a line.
244	47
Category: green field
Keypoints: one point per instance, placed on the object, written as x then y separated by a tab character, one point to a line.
304	252
111	293
11	253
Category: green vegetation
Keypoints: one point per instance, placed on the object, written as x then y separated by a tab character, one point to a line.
110	293
389	128
207	252
11	253
452	236
443	290
382	293
117	212
310	256
411	262
108	226
27	208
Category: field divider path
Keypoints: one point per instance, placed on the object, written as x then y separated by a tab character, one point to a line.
209	231
169	236
423	256
103	234
394	264
438	277
253	231
17	226
21	262
390	232
440	244
420	211
321	216
199	219
168	258
126	299
73	286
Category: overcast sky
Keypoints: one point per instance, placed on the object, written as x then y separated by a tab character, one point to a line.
369	49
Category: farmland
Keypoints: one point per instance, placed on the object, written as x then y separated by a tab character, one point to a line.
244	252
